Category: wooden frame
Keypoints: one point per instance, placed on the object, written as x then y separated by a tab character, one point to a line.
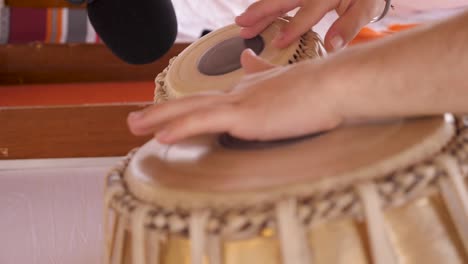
75	131
61	63
78	62
67	131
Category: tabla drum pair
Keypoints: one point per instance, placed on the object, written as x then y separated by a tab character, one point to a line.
387	192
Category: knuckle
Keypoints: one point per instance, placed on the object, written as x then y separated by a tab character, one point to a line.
192	120
183	122
203	116
177	125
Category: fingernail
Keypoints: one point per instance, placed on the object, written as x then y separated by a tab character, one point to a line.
251	52
136	115
337	42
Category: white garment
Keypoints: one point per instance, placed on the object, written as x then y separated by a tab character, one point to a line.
194	16
428	5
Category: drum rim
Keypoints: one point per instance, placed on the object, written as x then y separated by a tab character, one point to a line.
425	175
187	199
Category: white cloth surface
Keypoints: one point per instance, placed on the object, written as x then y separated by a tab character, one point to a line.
52	216
194	16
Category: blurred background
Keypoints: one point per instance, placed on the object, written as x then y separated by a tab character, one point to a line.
64	98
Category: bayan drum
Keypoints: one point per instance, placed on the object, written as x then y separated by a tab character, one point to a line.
384	192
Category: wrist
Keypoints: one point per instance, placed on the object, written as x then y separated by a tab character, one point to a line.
359	81
343	79
321	82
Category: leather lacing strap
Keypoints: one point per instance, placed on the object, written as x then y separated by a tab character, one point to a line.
119	238
201	242
214	249
455	195
291	233
381	248
198	235
139	236
110	223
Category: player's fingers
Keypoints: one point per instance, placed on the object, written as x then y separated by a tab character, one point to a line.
203	121
265	8
303	21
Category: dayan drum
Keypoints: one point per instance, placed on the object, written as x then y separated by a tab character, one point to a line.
384	192
213	62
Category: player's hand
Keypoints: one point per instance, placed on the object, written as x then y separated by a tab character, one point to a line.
353	15
268	103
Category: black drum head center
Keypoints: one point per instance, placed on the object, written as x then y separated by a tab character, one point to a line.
224	57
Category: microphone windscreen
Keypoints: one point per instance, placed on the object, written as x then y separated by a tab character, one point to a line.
136	31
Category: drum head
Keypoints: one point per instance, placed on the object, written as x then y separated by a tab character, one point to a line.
213	62
204	171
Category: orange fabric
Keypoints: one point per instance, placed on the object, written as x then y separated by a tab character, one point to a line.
367	34
75	93
401	27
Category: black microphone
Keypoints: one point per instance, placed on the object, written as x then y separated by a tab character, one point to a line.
136	31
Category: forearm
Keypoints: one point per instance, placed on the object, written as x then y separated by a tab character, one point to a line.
418	72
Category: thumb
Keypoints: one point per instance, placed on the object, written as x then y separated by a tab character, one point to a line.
346	27
253	63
